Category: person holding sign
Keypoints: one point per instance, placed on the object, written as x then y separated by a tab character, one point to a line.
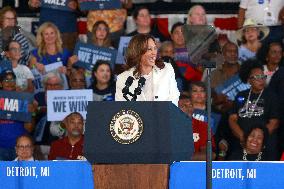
49	49
23	74
146	78
10	130
63	14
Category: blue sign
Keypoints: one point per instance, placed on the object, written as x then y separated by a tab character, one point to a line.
88	55
56	4
232	175
201	115
5	65
123	44
46	174
99	4
232	87
14	105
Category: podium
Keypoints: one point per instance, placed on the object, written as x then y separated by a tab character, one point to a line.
132	143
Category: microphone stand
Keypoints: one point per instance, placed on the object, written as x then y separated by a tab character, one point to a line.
209	65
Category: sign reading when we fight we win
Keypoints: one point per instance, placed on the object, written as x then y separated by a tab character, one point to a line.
88	55
61	103
15	105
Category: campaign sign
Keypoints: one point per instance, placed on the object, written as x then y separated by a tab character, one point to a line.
123	44
46	175
99	4
88	55
232	87
53	68
232	175
56	4
38	81
5	65
201	115
14	105
61	103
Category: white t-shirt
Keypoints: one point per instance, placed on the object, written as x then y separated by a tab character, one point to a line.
263	11
23	73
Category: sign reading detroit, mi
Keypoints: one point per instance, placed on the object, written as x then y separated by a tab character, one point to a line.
88	55
15	105
61	103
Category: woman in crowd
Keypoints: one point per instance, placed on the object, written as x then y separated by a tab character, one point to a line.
101	35
250	36
146	78
254	146
141	16
103	81
257	105
24	148
8	27
49	49
271	56
23	74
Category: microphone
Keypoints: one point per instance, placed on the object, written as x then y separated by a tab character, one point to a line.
125	90
138	90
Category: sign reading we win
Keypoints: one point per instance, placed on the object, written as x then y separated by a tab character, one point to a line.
61	103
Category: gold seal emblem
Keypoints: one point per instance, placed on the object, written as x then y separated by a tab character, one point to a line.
126	126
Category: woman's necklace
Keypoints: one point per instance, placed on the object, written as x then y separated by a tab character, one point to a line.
249	115
245	156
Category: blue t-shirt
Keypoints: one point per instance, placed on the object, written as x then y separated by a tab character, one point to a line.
9	131
49	59
66	21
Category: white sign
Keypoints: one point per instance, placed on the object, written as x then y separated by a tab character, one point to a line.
61	103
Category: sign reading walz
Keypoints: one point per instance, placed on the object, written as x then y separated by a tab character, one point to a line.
99	4
14	105
89	54
57	4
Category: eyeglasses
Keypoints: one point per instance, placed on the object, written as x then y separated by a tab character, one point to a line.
257	77
23	147
15	49
7	18
9	80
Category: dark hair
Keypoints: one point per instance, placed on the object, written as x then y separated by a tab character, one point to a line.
4	74
95	68
137	10
257	126
25	136
107	41
184	96
137	47
8	44
198	84
246	68
175	26
264	50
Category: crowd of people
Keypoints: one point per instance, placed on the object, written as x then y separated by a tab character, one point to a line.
247	83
